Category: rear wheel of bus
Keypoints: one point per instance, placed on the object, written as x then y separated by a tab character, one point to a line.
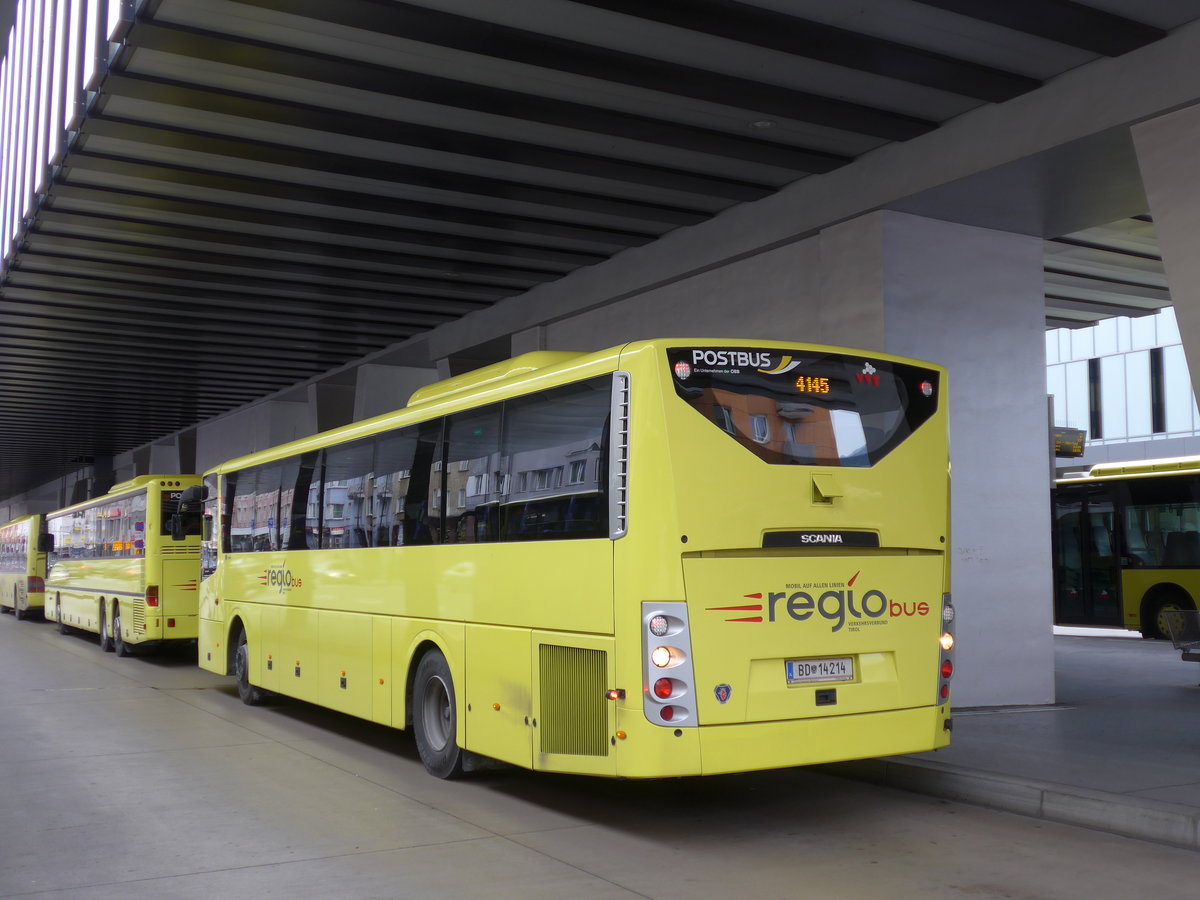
106	641
435	715
119	645
58	616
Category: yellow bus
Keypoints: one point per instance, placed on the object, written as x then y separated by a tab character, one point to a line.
23	566
1127	544
674	557
115	570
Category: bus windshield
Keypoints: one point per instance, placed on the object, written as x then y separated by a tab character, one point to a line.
818	408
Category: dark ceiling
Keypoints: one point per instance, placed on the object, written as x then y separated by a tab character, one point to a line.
265	190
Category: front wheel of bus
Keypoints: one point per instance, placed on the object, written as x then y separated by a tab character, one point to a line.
1154	613
435	717
249	694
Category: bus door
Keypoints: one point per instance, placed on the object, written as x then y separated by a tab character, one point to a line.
1087	588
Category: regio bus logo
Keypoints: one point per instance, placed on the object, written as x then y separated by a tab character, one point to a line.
836	604
279	578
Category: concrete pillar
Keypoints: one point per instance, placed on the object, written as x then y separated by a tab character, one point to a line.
382	389
972	300
332	404
1167	150
258	427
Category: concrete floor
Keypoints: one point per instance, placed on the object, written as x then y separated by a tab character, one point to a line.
146	777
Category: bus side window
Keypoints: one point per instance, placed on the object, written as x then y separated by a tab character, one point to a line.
472	475
422	501
394	453
555	451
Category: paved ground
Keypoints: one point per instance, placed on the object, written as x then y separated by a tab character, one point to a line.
146	777
1120	750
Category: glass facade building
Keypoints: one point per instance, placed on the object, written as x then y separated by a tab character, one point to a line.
1125	382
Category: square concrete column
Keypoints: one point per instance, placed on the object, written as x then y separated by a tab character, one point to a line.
972	300
1168	151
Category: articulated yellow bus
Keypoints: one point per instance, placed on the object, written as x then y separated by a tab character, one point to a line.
115	569
23	566
1127	544
675	557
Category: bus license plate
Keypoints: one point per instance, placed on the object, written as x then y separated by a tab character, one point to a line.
804	671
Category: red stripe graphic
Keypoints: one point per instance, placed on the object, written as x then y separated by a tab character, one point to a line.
714	608
748	619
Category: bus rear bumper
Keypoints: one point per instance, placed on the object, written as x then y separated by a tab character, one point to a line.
724	749
807	742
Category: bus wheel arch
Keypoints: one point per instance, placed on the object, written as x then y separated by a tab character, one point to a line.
433	712
1159	599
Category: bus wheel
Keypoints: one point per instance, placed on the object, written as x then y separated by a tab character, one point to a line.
435	717
106	641
1154	610
17	614
62	625
251	695
119	644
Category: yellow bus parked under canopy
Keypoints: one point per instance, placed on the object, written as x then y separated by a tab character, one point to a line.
23	566
115	570
670	558
1127	544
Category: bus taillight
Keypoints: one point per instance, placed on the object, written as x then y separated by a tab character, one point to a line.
946	644
152	595
668	687
35	585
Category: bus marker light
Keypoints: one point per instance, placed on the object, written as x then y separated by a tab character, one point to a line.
496	707
621	735
615	694
668	713
661	657
926	389
945	693
947	641
170	623
658	626
663	688
947	668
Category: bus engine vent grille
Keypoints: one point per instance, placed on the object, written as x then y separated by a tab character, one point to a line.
574	715
139	617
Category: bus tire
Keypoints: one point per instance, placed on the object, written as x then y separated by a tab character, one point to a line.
119	645
106	641
435	716
62	625
17	614
1154	625
249	694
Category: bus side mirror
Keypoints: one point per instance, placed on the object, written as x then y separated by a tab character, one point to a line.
195	494
45	543
191	505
